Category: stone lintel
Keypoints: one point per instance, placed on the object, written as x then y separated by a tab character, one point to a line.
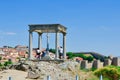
47	28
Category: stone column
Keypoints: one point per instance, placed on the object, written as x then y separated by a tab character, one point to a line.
40	41
47	44
56	46
64	45
30	46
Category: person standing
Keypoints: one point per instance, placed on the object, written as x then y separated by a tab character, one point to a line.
60	50
38	53
43	53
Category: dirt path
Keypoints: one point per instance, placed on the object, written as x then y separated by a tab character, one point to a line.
14	74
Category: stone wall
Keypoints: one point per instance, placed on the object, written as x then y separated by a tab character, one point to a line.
107	62
98	64
116	61
83	64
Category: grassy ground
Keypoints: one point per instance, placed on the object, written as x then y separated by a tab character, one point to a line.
88	75
85	74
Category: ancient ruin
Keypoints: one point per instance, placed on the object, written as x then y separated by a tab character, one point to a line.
98	64
47	28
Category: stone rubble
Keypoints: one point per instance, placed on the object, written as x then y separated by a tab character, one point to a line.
56	70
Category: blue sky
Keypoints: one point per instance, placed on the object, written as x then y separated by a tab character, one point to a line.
93	25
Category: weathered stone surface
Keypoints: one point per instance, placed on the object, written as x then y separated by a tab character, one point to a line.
46	58
116	61
33	75
97	64
107	62
20	66
57	71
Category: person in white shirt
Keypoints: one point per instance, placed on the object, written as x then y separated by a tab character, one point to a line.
38	53
60	52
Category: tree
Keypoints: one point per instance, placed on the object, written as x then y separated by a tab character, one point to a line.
52	50
90	58
70	55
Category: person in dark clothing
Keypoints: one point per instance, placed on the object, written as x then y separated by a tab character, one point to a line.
43	53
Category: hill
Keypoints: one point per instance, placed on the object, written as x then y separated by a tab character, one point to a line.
94	54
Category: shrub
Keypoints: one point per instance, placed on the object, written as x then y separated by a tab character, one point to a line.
7	63
90	58
93	69
0	57
70	55
110	72
1	64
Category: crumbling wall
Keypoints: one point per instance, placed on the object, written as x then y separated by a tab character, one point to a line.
107	62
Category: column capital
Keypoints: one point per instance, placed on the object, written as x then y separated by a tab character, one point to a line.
64	34
39	33
30	31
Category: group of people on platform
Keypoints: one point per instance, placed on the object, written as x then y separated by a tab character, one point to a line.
42	53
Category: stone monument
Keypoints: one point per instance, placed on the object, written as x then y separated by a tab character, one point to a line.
47	28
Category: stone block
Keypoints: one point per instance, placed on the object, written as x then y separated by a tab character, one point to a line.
107	62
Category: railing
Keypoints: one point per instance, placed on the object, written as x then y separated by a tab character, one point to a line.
76	78
48	78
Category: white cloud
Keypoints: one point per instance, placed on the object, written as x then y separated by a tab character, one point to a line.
10	33
7	33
